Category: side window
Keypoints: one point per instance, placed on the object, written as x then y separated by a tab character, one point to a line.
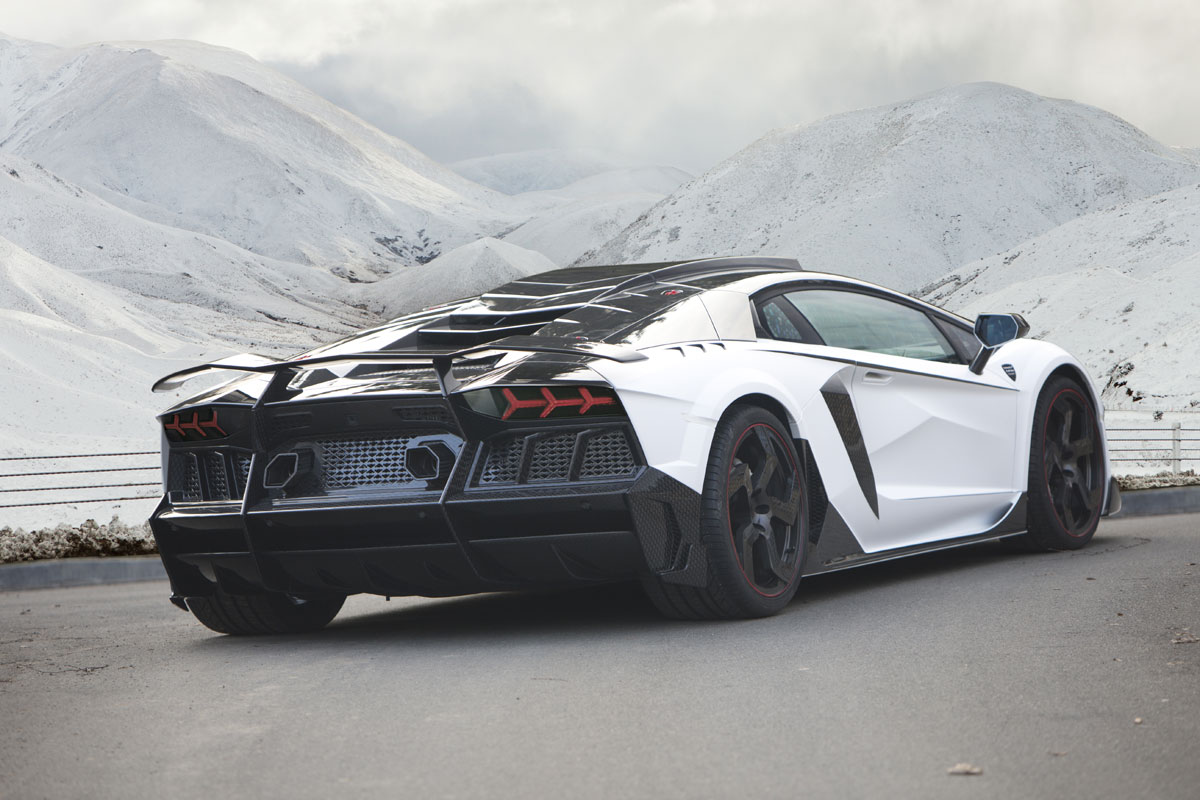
776	321
963	340
865	322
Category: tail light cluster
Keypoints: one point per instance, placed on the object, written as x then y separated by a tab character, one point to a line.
204	424
544	402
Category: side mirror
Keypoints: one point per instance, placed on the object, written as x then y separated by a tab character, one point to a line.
993	330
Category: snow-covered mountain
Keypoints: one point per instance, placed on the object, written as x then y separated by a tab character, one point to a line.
537	170
1119	288
463	272
902	193
582	216
208	140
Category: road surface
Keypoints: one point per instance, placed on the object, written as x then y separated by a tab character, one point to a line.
1058	675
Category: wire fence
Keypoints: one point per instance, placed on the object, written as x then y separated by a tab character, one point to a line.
110	478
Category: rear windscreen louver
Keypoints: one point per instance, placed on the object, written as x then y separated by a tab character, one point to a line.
476	328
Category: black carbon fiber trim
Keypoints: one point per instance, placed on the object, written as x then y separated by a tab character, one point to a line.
818	501
837	545
666	515
842	411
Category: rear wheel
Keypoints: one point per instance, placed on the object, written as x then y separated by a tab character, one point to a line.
265	613
753	513
1066	468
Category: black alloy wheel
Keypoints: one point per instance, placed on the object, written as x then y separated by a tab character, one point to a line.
1066	475
763	506
753	523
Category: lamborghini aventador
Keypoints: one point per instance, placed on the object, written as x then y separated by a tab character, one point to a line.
714	429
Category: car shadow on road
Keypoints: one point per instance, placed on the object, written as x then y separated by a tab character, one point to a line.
622	609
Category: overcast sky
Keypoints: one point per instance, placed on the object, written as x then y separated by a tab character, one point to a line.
679	82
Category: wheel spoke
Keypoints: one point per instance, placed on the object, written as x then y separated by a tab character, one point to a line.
776	563
739	481
1068	419
785	510
766	471
1053	454
763	437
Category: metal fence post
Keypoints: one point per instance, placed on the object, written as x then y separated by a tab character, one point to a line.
1175	437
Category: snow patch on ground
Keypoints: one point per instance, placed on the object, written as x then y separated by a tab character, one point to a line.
72	541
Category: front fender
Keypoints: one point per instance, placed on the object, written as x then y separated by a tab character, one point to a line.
1035	361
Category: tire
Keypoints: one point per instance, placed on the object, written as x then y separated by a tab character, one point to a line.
266	613
753	524
1066	468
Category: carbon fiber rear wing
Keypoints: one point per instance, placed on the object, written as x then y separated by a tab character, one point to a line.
441	360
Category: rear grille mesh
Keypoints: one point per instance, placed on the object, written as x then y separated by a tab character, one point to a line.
242	462
183	478
503	463
572	455
552	458
214	466
206	477
607	454
364	463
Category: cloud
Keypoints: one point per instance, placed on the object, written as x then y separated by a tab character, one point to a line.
683	82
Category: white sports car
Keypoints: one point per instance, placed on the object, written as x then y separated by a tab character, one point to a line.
716	429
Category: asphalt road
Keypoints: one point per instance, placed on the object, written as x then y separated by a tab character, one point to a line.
1035	668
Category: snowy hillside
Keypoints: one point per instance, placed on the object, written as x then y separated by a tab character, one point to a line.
209	140
902	193
1119	288
463	272
583	215
536	170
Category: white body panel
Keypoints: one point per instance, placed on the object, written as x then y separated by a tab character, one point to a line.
949	450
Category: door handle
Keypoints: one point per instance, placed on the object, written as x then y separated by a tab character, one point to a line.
879	378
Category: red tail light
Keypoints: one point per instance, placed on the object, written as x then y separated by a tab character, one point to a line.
544	402
204	424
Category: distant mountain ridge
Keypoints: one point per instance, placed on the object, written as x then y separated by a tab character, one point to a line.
902	193
209	140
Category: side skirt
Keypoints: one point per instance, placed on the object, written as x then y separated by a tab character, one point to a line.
1013	524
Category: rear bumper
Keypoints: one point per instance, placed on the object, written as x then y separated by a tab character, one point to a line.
438	545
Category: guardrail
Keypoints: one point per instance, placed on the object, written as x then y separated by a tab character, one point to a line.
1173	444
43	477
97	478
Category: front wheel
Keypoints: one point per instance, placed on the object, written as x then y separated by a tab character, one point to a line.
1066	468
264	613
752	524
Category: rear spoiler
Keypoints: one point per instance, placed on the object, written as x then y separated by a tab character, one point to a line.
441	360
